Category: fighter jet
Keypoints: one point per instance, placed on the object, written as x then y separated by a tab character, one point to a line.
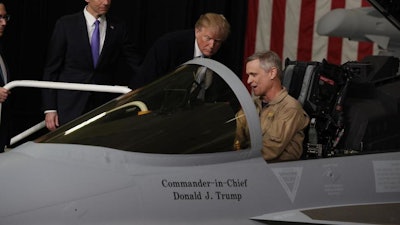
163	154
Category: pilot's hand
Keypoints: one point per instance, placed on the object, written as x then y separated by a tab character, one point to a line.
51	120
3	94
236	145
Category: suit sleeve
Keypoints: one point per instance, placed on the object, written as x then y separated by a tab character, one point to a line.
155	64
131	53
54	64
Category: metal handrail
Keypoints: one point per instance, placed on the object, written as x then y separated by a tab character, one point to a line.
67	86
27	132
58	85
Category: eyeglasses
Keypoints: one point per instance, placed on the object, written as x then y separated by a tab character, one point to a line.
5	17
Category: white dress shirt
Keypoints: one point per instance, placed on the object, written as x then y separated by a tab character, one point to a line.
90	27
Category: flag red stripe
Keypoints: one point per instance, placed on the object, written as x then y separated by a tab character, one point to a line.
251	31
335	44
335	50
278	26
364	48
306	30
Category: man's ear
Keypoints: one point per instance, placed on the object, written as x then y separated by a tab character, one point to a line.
274	73
196	32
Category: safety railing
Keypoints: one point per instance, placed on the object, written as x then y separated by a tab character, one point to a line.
58	85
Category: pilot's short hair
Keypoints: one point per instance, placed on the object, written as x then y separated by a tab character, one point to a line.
268	59
214	20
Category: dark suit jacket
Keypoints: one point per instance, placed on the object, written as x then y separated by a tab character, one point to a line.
69	59
166	54
170	51
5	112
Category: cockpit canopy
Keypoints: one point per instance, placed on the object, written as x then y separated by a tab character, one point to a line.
182	113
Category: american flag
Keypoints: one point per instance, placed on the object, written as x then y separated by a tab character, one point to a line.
288	27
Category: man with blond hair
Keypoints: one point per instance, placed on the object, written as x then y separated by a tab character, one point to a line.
173	49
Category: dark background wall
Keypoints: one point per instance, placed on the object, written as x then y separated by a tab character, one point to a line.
32	22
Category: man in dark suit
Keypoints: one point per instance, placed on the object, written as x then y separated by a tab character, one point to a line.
173	49
70	58
4	78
